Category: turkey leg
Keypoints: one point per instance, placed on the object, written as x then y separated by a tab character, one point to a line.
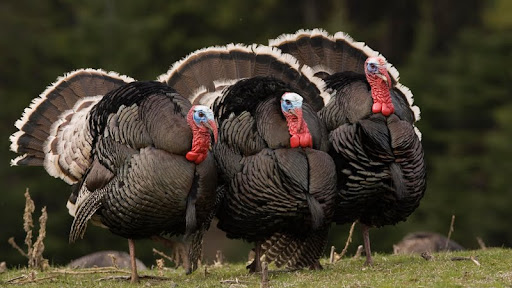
255	266
131	248
367	250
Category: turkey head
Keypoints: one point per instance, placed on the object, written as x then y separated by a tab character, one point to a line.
201	120
380	83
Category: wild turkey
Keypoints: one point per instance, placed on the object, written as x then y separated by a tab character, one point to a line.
370	119
136	153
279	197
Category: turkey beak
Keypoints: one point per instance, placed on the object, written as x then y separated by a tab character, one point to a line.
212	126
383	77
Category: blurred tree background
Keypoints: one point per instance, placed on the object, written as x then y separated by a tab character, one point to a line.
454	55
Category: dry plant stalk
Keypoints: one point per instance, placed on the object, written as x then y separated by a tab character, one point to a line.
449	233
113	259
481	243
349	239
26	279
233	282
3	267
219	258
37	258
474	259
160	266
34	250
358	252
264	275
163	255
15	246
333	256
93	270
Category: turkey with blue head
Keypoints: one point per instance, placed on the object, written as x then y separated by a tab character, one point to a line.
137	154
370	119
278	180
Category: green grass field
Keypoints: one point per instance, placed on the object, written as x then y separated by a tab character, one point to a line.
493	268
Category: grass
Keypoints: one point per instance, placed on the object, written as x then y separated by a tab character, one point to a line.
495	270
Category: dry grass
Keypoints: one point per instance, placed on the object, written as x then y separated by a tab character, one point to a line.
447	269
490	267
35	250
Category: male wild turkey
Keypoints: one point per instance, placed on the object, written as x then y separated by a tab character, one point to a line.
280	185
137	154
370	119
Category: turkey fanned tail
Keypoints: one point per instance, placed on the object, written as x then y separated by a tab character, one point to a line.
294	253
53	131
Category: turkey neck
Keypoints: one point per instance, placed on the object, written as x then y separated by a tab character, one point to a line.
381	96
298	129
200	140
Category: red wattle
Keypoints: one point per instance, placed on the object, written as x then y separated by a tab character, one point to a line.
191	156
306	140
377	107
387	110
200	158
195	157
294	141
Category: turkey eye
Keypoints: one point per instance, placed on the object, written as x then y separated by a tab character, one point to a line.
201	114
287	102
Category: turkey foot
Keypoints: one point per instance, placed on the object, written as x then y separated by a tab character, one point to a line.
255	265
316	266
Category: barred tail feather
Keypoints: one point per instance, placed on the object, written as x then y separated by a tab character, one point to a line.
202	75
293	252
64	103
194	250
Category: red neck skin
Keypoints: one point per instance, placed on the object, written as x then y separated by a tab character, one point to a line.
200	142
298	129
381	96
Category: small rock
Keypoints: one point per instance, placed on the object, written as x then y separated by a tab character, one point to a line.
425	242
104	259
